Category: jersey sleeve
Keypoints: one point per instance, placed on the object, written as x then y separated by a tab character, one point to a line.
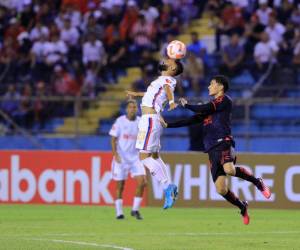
206	108
217	105
169	82
115	129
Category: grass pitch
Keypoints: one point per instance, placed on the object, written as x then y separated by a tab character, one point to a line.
89	227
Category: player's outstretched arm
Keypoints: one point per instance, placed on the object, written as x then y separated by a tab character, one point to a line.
132	94
195	119
199	108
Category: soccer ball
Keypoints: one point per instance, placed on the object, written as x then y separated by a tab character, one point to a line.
176	49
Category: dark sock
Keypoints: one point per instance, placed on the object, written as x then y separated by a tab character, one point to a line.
246	175
229	196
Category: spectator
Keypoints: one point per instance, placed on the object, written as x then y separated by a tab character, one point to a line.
94	54
55	51
263	12
63	82
168	22
41	108
8	61
143	34
194	72
27	16
295	17
232	21
130	18
13	31
232	56
252	34
265	52
11	101
38	62
148	63
93	27
142	83
38	31
25	116
285	54
24	60
89	83
196	46
45	13
284	11
116	51
74	14
149	12
3	22
69	34
275	29
93	12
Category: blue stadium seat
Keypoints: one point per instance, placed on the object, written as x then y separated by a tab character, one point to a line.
245	79
275	111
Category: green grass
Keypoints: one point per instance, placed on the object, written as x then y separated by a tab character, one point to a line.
73	227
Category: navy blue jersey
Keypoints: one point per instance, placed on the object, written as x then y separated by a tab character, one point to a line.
217	124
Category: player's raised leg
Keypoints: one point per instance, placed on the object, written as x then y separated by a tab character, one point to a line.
171	191
158	171
244	174
228	195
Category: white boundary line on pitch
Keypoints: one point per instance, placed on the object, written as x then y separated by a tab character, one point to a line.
82	243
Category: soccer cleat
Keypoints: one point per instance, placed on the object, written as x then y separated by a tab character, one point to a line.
120	217
137	215
244	213
263	188
170	196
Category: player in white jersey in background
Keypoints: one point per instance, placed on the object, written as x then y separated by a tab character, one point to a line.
159	92
126	158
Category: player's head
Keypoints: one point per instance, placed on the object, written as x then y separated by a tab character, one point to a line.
131	109
218	85
170	67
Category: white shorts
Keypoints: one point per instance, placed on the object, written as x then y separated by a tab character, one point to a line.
150	131
120	171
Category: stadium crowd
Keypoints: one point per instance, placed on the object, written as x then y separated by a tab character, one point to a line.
73	47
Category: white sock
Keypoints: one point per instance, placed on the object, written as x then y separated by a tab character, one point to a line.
136	203
157	169
119	206
164	169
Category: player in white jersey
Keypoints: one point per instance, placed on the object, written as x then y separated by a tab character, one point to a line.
159	92
126	158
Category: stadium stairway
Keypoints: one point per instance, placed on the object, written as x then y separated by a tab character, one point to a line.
105	108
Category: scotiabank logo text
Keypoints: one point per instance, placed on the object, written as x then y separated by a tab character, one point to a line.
22	184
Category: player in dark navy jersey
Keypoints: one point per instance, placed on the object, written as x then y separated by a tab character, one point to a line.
218	141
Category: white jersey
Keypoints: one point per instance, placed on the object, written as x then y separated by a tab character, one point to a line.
126	131
155	96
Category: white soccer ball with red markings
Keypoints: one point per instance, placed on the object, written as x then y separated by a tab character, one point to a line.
176	50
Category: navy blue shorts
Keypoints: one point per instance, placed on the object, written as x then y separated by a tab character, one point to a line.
218	156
